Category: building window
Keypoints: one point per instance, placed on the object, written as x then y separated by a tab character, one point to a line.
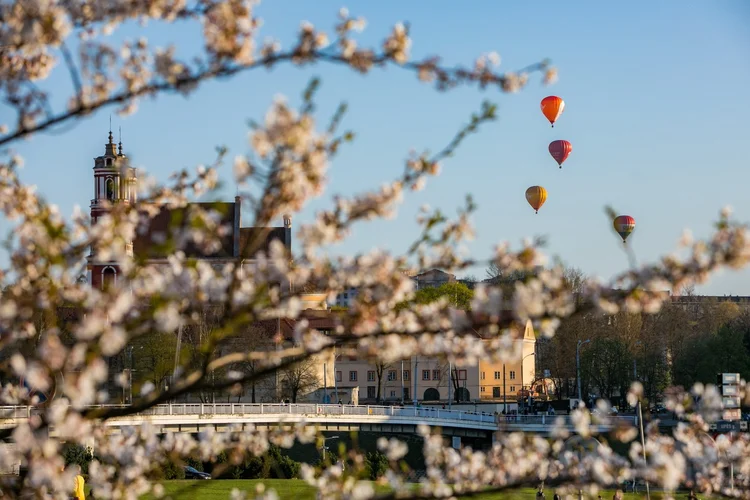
391	375
512	375
497	375
461	374
405	375
512	388
370	391
338	376
482	376
406	393
481	389
425	374
109	277
371	376
352	376
109	188
393	394
435	374
495	392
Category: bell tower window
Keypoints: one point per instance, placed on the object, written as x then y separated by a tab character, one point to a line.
109	277
110	189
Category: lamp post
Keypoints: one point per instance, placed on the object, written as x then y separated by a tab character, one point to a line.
325	447
402	381
532	354
450	383
578	366
130	375
335	383
505	397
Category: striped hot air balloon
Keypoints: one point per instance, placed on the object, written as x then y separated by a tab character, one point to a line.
536	196
560	150
624	225
552	107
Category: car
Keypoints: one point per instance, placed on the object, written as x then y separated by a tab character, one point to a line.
658	408
192	473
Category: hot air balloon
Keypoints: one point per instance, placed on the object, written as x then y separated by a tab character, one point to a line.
536	196
552	107
624	225
560	150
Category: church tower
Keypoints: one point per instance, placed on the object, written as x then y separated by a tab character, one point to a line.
114	182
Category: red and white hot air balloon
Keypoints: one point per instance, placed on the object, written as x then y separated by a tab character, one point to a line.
560	150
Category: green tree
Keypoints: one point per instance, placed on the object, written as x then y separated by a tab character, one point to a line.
376	464
457	293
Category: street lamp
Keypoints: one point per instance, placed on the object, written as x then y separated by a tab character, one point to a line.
578	366
325	447
335	383
532	354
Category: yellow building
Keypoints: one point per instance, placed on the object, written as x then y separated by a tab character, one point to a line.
499	381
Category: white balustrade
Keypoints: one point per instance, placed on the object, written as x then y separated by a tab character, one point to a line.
333	410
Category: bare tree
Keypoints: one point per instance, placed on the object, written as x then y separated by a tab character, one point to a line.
258	337
202	340
380	369
299	379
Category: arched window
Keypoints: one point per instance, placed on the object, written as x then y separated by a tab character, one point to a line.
431	394
109	277
109	188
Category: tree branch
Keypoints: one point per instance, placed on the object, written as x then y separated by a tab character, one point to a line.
451	75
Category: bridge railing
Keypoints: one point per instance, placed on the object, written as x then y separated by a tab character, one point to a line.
332	410
544	420
313	409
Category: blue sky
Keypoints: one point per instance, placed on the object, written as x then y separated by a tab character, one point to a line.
656	110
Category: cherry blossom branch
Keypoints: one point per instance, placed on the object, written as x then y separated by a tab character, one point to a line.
446	78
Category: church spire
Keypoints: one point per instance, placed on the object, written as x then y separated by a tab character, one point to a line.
110	149
119	145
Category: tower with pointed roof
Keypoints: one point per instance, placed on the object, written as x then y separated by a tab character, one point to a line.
114	182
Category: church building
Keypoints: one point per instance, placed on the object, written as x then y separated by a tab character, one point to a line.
116	182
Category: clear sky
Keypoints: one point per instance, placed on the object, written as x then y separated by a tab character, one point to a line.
656	110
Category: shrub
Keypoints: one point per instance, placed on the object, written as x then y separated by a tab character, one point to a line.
172	470
77	454
376	463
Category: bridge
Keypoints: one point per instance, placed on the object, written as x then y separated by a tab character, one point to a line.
187	417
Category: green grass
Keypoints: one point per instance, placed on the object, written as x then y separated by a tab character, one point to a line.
299	490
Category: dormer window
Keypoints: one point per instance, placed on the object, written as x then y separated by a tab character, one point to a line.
108	162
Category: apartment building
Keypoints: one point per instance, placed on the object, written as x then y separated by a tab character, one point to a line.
426	379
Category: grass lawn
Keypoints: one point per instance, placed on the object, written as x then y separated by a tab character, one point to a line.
299	490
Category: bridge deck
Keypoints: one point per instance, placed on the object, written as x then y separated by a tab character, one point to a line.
197	414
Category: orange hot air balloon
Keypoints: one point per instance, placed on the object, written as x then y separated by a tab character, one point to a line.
536	196
624	225
560	150
552	107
